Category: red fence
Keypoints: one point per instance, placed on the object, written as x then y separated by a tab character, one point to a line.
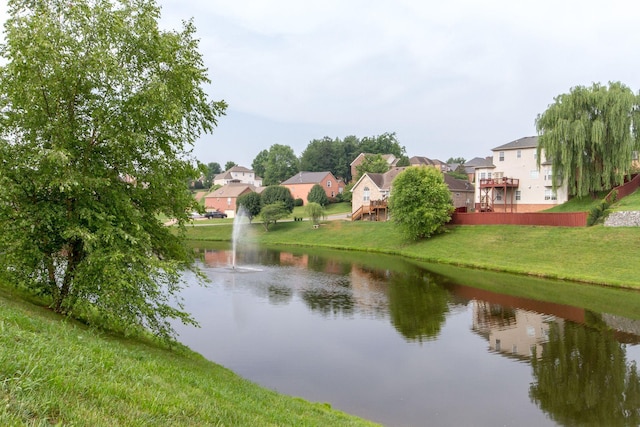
626	188
564	219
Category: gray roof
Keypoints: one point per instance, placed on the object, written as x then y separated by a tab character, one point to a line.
456	184
478	162
231	190
306	178
526	142
383	180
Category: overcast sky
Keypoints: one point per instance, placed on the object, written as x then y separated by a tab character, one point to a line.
450	78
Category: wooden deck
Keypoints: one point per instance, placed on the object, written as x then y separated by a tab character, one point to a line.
376	210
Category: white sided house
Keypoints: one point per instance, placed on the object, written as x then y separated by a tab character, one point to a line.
514	183
238	174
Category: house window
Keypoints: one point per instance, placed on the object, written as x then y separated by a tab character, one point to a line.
499	195
501	156
333	194
518	195
328	183
549	194
483	175
534	174
634	155
519	153
547	174
229	201
365	194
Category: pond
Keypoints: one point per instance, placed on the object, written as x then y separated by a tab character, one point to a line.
393	342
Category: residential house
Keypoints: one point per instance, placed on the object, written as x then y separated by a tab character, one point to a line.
425	161
238	174
513	182
462	192
476	162
390	158
301	183
371	192
225	198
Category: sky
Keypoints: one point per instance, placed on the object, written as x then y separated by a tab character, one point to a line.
451	78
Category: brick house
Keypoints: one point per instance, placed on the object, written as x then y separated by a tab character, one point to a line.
301	183
225	198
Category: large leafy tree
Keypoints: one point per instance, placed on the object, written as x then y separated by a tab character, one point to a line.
259	164
321	155
212	169
281	164
99	109
251	203
278	194
588	134
387	143
318	195
420	202
372	163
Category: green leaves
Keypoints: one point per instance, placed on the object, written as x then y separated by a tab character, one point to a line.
590	134
100	109
420	202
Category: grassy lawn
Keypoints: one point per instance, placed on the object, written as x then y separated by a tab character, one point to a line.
629	203
58	372
599	255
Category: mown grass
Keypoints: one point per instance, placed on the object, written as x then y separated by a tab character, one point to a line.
58	372
599	255
629	203
579	204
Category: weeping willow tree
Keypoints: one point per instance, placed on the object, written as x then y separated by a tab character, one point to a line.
589	134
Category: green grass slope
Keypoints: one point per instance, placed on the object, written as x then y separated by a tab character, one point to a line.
57	372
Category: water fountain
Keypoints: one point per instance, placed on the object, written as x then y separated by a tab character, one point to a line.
239	222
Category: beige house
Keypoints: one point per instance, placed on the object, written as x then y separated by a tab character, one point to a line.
301	183
513	182
225	198
238	174
371	192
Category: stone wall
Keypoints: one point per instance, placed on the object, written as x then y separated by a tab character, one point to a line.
623	219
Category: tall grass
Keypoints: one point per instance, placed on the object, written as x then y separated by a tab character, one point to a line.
58	372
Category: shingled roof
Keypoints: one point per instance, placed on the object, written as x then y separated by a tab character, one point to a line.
306	178
526	142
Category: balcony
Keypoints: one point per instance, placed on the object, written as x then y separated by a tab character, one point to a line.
499	182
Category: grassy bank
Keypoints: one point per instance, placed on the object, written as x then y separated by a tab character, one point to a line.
599	255
57	372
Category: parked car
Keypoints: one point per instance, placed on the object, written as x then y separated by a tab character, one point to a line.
215	214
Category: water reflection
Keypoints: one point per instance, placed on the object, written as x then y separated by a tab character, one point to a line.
353	343
417	305
582	377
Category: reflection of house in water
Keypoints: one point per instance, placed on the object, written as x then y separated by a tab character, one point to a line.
369	290
218	258
512	331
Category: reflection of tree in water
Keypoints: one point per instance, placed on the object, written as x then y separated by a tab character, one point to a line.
330	298
418	305
279	294
583	379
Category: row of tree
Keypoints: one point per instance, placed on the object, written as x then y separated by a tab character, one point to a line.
279	162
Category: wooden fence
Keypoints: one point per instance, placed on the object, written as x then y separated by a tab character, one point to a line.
625	189
561	219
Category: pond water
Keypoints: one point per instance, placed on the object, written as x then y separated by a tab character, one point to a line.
390	341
